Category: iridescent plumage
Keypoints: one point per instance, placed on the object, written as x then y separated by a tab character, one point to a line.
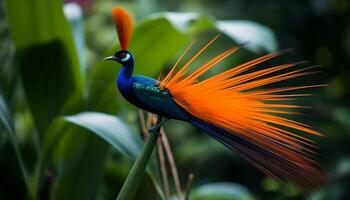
232	107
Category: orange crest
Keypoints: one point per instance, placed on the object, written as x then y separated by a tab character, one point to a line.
124	24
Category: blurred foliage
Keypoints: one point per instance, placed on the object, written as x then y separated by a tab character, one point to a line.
52	146
46	54
221	191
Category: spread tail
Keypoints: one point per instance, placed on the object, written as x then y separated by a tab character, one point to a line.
283	164
235	109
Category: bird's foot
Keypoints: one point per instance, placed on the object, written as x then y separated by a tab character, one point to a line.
156	128
155	131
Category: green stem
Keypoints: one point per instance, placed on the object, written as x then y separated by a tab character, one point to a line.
137	171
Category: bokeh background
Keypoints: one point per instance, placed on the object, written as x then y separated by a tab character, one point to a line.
66	133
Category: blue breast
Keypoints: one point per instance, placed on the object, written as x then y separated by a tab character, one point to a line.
125	86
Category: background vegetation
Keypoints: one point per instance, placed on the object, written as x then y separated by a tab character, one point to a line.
66	133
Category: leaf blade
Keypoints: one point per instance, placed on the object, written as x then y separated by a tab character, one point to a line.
111	129
46	56
259	37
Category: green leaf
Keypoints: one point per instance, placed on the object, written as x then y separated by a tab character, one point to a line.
155	42
259	37
46	56
180	20
187	22
114	132
111	129
79	162
74	158
221	191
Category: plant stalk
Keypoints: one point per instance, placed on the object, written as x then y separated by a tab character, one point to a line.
137	171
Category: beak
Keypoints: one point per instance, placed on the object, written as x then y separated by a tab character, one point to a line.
110	58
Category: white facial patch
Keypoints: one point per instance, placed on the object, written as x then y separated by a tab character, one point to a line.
127	57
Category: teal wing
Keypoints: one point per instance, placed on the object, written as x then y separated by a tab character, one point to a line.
156	100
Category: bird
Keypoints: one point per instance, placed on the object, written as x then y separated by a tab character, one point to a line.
234	107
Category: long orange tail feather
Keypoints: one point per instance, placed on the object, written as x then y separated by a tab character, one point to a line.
235	101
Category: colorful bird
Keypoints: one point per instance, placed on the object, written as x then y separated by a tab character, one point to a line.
232	106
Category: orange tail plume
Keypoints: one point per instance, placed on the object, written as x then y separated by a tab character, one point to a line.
124	24
235	101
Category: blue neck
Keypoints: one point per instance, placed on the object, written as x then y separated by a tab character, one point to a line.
127	70
125	73
125	81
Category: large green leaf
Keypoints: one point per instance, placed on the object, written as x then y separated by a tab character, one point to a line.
260	37
182	21
80	159
46	56
187	22
155	42
114	132
75	160
221	191
111	129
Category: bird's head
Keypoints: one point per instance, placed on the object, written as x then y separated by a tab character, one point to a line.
123	57
124	25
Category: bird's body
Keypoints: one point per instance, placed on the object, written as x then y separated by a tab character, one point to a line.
233	107
144	93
